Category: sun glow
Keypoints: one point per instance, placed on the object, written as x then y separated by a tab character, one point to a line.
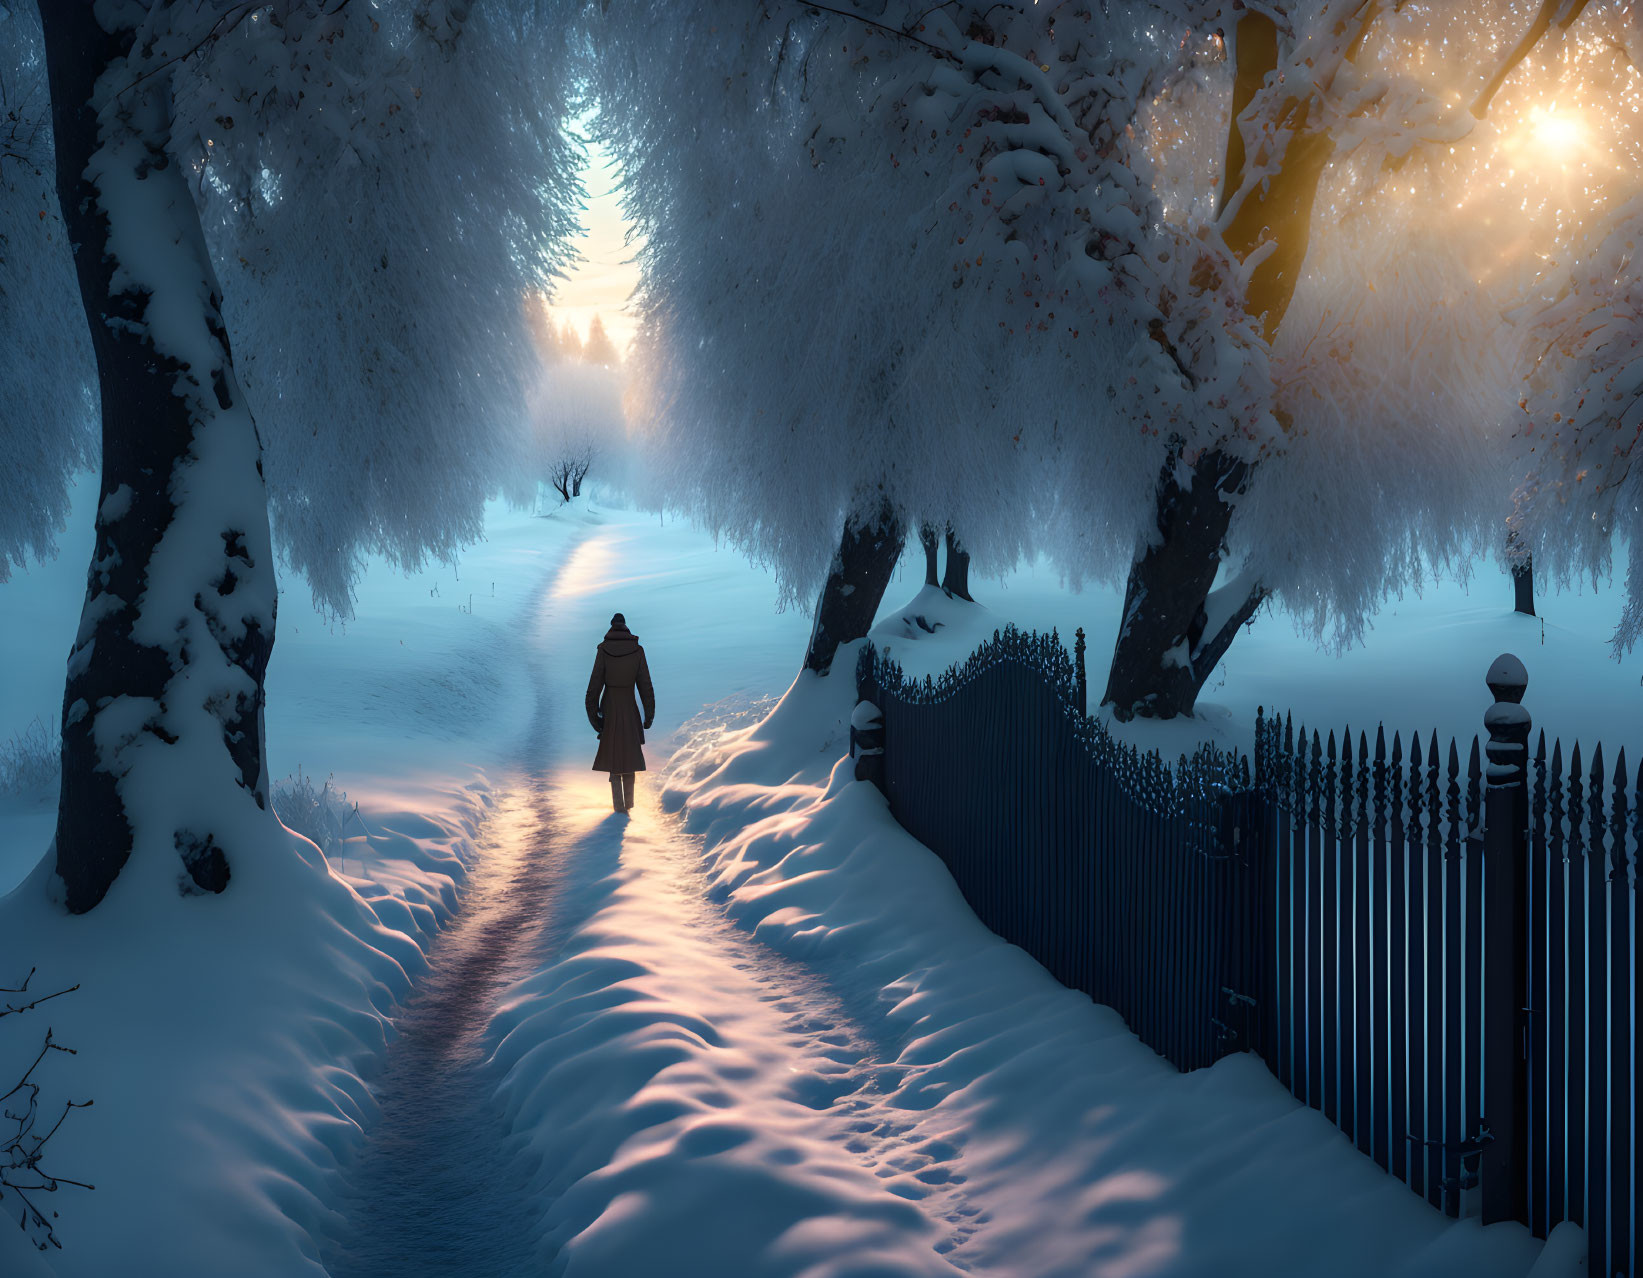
605	278
1561	137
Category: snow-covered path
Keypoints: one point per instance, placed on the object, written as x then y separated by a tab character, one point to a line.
755	1035
629	1058
670	1068
438	1187
680	1047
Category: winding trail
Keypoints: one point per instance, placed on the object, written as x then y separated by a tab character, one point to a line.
587	937
438	1187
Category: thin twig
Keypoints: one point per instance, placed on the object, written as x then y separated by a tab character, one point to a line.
24	987
210	35
21	1152
44	998
880	26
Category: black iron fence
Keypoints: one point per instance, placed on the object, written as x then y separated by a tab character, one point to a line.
1439	955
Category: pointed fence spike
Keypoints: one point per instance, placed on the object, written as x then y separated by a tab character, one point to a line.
1617	818
1417	792
1456	821
1594	805
1637	819
1594	796
1361	781
1474	786
1576	804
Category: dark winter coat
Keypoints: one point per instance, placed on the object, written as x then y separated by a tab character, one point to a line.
618	668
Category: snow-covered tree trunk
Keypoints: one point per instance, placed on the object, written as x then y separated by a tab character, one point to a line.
162	715
956	582
1522	564
868	551
930	540
1176	626
1167	646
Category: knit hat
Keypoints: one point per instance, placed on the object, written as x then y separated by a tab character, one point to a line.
618	620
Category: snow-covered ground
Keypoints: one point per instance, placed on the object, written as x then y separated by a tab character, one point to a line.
750	1030
226	1049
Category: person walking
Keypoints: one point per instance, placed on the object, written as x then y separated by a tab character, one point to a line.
618	669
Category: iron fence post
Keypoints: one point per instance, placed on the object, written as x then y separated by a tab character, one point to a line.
867	723
1078	664
1506	968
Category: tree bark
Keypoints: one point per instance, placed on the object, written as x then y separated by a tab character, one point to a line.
1523	587
957	580
1523	575
162	753
868	552
1173	631
930	539
1279	208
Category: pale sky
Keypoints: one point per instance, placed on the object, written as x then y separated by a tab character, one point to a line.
602	283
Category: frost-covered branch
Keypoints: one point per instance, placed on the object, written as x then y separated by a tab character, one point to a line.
897	32
1564	12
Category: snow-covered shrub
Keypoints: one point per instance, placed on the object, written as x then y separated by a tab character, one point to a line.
323	815
28	762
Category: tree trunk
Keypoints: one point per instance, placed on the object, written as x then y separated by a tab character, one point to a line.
1523	575
1174	630
957	581
162	714
930	539
1523	587
867	555
1280	207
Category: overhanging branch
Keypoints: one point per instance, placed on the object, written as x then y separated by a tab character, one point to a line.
1537	30
936	49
